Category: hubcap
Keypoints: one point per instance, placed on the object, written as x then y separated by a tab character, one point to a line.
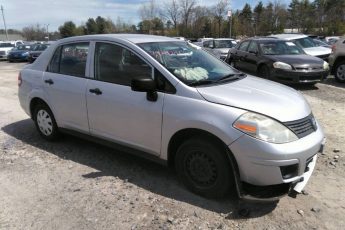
201	168
44	122
341	72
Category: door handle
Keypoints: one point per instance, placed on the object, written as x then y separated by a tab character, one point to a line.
49	81
96	91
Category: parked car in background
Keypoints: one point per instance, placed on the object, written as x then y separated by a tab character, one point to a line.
219	46
36	51
331	39
278	60
321	43
307	44
19	53
337	60
5	48
175	103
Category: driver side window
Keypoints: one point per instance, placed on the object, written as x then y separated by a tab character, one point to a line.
118	65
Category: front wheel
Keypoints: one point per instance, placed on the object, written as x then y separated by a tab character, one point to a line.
264	72
203	167
340	72
45	122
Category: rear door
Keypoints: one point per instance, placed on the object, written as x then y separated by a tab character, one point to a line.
241	54
252	57
65	84
115	111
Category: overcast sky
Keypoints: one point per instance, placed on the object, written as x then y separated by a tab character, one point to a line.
21	13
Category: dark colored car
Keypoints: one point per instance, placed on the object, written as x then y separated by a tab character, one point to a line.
36	51
19	53
277	59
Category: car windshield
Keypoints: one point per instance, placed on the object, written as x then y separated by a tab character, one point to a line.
224	43
188	62
40	47
22	47
306	42
6	45
280	48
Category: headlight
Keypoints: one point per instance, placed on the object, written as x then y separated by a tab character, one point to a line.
264	128
282	65
25	54
325	66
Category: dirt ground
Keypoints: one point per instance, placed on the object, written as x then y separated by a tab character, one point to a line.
75	184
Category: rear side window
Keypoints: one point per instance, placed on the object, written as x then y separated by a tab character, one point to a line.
70	59
118	65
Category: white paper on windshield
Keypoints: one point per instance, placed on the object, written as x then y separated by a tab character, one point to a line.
300	186
290	44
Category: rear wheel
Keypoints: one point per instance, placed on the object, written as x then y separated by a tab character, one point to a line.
45	122
264	72
340	72
203	167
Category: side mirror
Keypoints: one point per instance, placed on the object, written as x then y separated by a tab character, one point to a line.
253	52
147	85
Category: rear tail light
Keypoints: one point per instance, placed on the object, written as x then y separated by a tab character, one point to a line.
20	79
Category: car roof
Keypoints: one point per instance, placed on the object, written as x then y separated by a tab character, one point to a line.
289	36
134	38
264	39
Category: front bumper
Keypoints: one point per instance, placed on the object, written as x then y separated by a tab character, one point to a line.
292	76
17	58
265	165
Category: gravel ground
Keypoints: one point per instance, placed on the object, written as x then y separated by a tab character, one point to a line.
75	184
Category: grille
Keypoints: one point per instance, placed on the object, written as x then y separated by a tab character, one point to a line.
302	127
311	78
309	68
2	52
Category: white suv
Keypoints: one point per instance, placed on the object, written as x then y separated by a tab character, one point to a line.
177	104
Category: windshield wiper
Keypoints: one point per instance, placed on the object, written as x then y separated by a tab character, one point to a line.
231	77
201	82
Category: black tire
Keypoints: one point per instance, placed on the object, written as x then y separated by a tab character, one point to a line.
43	116
203	167
340	72
264	72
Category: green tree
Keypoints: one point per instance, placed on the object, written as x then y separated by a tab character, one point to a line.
68	29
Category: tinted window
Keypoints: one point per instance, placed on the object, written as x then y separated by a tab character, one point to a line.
280	48
224	43
253	47
70	59
306	42
244	46
118	65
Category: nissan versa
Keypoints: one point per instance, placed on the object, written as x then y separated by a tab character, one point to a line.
170	101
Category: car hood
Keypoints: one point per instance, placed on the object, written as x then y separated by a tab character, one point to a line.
258	95
298	60
317	51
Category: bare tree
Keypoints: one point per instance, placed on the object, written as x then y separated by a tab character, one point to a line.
148	11
171	11
186	10
219	11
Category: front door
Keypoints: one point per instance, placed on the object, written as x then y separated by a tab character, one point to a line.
115	111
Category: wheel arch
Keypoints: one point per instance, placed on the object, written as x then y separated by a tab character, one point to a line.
34	102
180	136
340	59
